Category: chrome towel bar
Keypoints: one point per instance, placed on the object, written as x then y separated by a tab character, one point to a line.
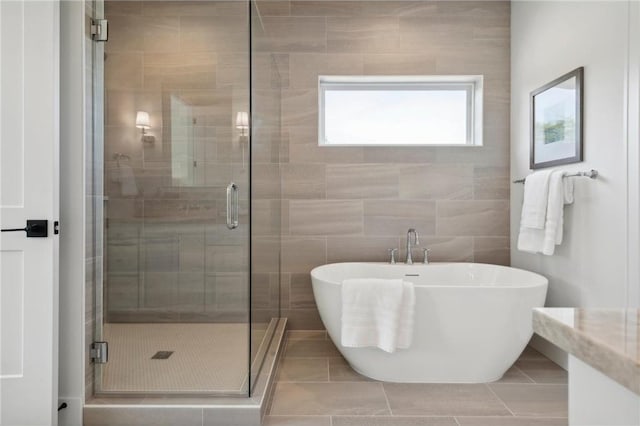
590	174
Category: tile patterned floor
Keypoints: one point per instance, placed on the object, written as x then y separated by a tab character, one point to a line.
316	387
206	357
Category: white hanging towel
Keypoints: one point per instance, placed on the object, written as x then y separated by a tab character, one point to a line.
377	313
536	195
560	192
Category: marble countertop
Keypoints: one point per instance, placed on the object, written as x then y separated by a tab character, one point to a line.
606	339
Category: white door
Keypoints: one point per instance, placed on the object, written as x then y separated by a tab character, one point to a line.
29	136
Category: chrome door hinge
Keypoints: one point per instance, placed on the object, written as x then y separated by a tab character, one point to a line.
99	353
100	30
56	227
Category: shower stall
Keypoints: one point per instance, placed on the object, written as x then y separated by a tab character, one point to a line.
183	177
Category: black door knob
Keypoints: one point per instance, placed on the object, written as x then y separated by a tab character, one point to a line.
34	229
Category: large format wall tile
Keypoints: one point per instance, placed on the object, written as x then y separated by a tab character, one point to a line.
476	218
491	250
123	7
398	64
301	254
160	290
306	67
455	197
399	8
123	71
371	34
298	107
273	7
326	8
285	34
325	217
362	181
390	217
491	183
191	8
303	148
213	33
364	249
301	293
447	249
122	292
390	154
303	181
437	182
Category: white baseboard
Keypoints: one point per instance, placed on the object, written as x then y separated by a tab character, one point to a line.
72	415
551	351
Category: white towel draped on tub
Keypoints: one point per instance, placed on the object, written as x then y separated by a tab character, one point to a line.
378	313
544	240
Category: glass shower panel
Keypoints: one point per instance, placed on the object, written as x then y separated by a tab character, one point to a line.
176	280
266	142
94	187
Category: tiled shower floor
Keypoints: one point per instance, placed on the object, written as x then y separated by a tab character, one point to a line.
206	357
316	387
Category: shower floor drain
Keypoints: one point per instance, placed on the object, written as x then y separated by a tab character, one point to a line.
162	355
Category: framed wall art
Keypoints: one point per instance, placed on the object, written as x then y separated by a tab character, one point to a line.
556	121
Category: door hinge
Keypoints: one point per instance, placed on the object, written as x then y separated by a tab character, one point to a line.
56	227
99	353
100	30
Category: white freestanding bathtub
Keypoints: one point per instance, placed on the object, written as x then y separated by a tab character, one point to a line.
472	320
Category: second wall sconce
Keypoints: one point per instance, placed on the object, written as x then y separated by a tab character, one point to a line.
143	122
242	122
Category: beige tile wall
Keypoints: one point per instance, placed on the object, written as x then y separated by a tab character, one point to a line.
339	203
347	204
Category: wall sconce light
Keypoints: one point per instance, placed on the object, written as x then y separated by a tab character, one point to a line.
242	122
143	122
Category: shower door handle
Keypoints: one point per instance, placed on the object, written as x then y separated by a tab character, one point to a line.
232	206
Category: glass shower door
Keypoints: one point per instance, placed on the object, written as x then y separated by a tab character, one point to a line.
173	303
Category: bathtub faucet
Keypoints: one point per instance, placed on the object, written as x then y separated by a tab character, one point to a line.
416	242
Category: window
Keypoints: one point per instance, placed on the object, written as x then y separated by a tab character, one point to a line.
400	110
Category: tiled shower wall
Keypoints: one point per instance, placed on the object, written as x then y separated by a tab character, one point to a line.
352	204
169	254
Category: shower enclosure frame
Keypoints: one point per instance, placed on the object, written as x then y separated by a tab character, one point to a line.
97	235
